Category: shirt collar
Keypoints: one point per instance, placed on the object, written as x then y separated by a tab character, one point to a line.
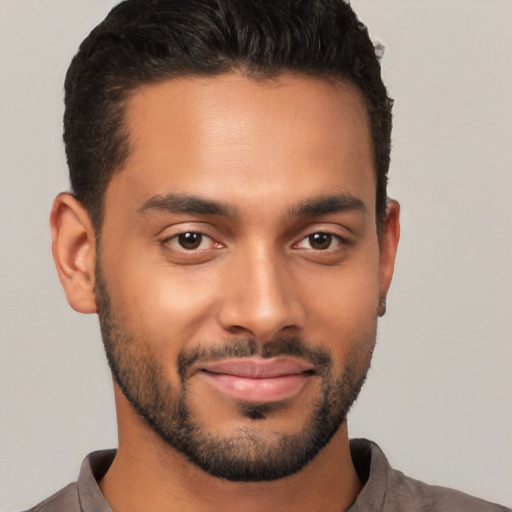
370	463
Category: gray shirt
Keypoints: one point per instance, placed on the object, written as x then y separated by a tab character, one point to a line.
385	489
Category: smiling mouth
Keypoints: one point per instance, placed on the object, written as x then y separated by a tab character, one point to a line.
258	380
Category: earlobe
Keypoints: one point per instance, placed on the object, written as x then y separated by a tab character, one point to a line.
388	247
73	248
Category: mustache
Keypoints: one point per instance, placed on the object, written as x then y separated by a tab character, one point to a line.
293	346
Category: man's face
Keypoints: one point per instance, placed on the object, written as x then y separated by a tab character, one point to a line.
238	280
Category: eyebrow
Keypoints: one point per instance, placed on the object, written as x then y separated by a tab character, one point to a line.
325	205
182	203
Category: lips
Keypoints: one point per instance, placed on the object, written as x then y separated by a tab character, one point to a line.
258	380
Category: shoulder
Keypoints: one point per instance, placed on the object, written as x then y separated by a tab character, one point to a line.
387	489
84	494
411	494
65	500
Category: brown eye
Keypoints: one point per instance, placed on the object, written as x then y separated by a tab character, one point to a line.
190	241
190	246
320	241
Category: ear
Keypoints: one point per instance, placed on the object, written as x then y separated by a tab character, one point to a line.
388	243
74	251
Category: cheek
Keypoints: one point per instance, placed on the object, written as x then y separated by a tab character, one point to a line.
166	305
349	290
342	306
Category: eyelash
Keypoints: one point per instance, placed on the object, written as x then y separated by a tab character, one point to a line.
330	238
175	238
324	237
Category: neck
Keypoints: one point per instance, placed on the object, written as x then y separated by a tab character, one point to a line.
147	474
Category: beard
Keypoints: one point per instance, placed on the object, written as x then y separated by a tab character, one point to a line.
247	455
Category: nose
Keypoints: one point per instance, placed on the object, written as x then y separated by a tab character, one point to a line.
261	299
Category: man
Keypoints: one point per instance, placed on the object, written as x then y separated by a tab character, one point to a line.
229	224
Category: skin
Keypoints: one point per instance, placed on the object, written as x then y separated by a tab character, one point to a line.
260	148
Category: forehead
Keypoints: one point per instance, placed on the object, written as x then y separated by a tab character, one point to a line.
236	137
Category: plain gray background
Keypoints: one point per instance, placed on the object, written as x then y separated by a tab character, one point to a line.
438	398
